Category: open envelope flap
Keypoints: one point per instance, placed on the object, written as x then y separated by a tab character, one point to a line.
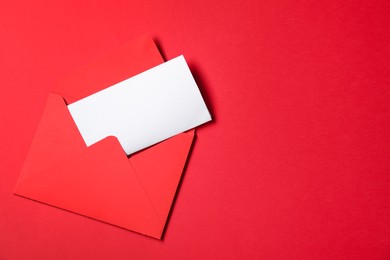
98	181
128	60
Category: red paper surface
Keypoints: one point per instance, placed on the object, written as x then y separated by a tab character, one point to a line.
296	163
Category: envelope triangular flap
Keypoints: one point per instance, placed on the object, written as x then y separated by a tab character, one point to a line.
126	61
89	181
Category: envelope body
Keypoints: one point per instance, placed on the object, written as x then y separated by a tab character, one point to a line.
100	181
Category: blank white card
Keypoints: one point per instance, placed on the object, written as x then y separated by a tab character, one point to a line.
143	110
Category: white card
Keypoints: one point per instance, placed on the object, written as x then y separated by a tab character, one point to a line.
143	110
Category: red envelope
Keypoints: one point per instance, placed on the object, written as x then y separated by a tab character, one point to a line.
100	181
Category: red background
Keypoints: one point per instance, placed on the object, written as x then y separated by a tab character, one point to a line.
296	163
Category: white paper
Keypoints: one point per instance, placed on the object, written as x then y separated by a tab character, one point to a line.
143	110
